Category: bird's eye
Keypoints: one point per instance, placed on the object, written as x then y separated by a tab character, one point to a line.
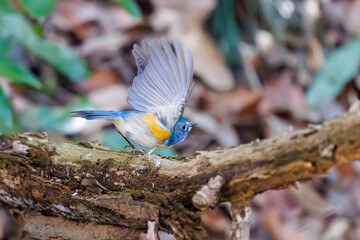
183	127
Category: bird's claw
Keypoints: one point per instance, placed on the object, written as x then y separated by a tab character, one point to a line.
139	150
126	147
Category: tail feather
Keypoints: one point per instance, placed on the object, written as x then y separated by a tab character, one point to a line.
97	114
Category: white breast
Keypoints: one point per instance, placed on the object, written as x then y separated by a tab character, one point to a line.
135	129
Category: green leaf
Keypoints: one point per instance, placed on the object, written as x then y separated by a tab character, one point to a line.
270	15
166	152
9	129
63	59
5	43
114	140
18	74
340	67
131	7
6	113
19	28
4	6
38	8
223	28
55	118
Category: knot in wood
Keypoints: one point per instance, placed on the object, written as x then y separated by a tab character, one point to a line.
208	195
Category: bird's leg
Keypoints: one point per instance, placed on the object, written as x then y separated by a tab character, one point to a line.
151	150
130	144
155	159
140	149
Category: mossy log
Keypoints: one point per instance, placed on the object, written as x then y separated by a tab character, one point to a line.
85	182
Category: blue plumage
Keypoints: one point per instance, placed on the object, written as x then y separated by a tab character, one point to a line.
181	130
99	114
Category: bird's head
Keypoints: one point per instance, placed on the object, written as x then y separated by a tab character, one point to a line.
180	131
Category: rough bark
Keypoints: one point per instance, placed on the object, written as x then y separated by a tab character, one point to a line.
85	182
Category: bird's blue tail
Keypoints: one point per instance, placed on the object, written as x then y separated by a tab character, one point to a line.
97	114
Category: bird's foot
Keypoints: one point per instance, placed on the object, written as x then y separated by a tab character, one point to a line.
132	147
153	158
136	150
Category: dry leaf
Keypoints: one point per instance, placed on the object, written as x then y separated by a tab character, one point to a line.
100	78
315	57
185	22
240	101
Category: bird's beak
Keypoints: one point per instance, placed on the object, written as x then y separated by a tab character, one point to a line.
193	124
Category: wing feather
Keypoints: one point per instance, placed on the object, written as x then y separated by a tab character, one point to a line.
140	57
190	69
181	61
163	82
172	62
162	85
169	77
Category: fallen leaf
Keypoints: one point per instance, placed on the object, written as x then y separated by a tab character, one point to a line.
340	67
99	79
185	21
280	229
282	95
240	101
214	73
315	58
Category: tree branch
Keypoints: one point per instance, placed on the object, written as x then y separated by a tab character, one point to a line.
44	227
85	182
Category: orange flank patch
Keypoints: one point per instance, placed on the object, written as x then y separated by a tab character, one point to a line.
153	124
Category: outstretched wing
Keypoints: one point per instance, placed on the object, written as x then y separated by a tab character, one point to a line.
163	82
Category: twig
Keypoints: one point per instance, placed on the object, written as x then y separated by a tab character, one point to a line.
241	222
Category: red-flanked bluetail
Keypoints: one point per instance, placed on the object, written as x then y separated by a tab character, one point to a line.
158	95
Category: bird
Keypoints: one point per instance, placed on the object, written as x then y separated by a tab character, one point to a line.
158	96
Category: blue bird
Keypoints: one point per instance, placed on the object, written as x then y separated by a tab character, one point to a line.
158	95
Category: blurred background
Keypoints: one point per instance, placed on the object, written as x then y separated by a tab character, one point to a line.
262	68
